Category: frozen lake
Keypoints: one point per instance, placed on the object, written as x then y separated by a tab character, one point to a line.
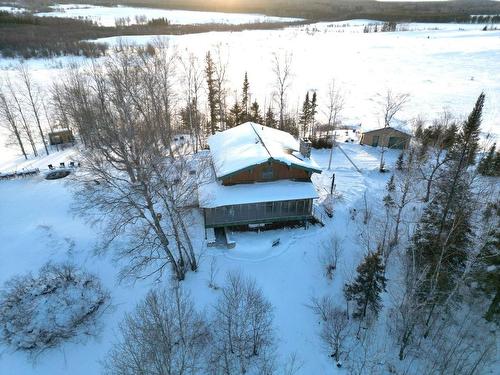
107	16
441	66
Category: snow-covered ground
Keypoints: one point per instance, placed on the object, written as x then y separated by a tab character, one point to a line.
37	226
107	16
441	66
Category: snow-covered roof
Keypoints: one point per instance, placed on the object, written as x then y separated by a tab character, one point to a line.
387	127
396	124
214	194
250	144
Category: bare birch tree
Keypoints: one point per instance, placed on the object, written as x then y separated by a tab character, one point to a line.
221	63
32	95
391	105
26	126
139	192
242	327
165	335
282	69
434	142
404	193
10	122
193	83
336	102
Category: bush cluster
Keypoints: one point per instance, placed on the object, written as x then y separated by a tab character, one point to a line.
40	312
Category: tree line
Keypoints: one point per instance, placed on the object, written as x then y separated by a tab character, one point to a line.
435	231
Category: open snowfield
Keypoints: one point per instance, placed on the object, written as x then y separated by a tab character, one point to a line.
107	16
442	66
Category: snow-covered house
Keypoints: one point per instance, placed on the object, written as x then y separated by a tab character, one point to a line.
259	175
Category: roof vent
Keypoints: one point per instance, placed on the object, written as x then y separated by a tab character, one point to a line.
305	147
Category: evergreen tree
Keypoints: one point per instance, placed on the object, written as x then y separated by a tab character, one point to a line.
400	162
235	115
496	165
487	269
191	119
245	98
366	288
270	118
290	125
443	236
391	186
489	165
466	145
305	116
255	113
313	111
212	92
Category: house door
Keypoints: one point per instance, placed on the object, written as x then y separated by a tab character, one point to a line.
375	141
396	142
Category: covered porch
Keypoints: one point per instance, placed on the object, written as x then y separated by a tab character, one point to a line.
257	203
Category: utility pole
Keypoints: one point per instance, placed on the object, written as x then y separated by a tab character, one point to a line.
331	150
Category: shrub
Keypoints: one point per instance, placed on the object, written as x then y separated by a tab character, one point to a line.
40	312
165	334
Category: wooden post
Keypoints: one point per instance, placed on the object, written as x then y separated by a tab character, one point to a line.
333	184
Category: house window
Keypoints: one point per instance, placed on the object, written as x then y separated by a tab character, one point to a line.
268	173
300	207
269	208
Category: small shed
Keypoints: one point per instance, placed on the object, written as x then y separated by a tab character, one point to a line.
58	137
386	137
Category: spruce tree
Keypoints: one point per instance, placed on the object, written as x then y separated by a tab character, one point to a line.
370	282
488	166
400	162
245	98
313	110
443	236
235	115
496	165
305	115
212	92
466	145
255	113
487	268
391	186
270	118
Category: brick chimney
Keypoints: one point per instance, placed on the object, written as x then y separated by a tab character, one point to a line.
305	147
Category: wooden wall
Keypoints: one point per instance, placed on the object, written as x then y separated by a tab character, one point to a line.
402	141
60	137
258	174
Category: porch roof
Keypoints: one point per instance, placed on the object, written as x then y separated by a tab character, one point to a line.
214	194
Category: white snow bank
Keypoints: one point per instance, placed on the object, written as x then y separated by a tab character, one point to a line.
215	194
